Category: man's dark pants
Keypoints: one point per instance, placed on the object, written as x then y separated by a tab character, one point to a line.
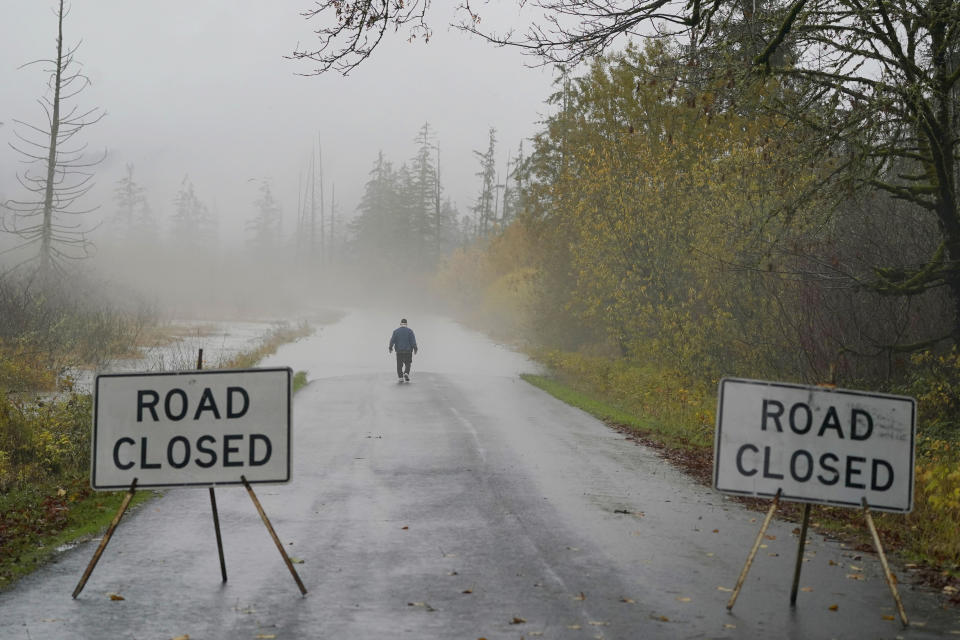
404	359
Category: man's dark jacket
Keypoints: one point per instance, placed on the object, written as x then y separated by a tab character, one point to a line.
403	340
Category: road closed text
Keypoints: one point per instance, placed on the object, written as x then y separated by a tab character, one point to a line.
801	465
192	428
814	444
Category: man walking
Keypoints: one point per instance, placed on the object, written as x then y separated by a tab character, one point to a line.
405	343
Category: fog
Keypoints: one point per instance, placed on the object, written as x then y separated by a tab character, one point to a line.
203	90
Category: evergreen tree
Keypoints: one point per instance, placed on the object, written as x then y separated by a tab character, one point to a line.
265	227
131	201
194	227
484	208
375	227
424	189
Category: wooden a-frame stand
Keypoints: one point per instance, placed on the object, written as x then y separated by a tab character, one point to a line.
216	522
891	581
216	525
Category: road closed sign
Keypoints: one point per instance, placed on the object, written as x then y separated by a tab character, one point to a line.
191	428
829	446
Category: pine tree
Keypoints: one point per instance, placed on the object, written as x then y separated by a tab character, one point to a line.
485	205
265	227
194	227
130	199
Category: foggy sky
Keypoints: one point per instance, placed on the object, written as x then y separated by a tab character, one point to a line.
202	88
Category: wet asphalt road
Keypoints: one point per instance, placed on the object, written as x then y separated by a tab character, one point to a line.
465	504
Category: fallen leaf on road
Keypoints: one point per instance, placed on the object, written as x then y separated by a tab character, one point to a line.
832	563
724	589
833	607
729	626
296	560
518	620
404	528
467	591
855	576
716	530
598	623
771	537
627	600
573	627
421	604
580	596
806	589
114	596
266	636
683	599
855	568
185	636
889	618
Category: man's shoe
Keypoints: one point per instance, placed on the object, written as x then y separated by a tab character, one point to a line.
406	377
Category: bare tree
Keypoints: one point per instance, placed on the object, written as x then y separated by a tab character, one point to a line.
350	31
59	172
567	32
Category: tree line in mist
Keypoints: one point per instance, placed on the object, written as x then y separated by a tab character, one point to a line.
675	214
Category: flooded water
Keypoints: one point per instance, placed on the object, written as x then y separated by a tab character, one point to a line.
221	341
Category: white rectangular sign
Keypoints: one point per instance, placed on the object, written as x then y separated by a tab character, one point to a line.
830	446
191	428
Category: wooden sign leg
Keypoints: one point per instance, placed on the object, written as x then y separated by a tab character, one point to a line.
213	502
891	581
273	534
753	551
106	538
216	527
800	548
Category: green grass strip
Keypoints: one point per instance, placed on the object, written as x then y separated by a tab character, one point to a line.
610	413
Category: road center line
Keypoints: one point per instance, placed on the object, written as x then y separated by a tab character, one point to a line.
473	433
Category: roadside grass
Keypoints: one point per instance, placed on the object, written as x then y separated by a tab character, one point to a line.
279	335
667	435
46	502
299	380
40	522
672	421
